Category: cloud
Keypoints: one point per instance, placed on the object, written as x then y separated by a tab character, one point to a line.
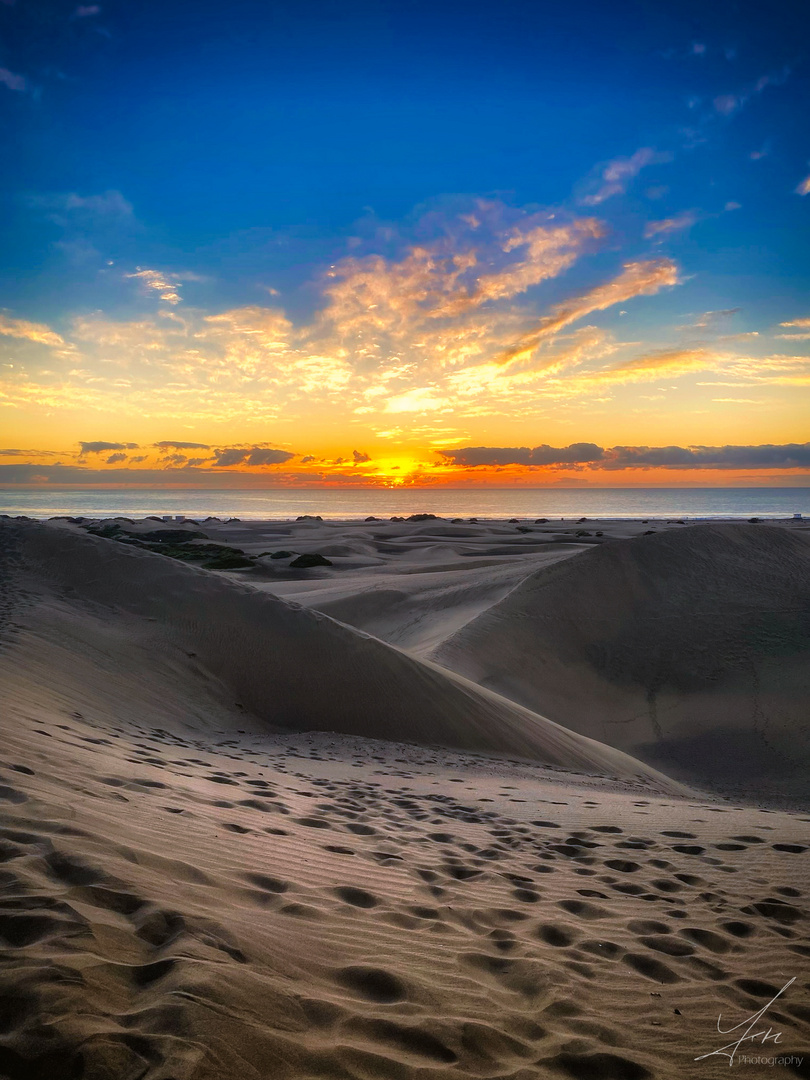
617	174
662	362
712	320
101	447
450	325
89	223
30	331
473	456
172	444
71	210
670	225
726	104
259	456
460	276
26	453
636	279
800	324
804	187
109	203
359	458
166	285
13	81
255	455
114	459
775	370
419	399
785	456
85	11
226	458
192	477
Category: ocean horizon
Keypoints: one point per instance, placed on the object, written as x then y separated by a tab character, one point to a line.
630	503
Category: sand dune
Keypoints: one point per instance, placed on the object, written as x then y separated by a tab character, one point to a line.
418	611
689	648
290	667
191	893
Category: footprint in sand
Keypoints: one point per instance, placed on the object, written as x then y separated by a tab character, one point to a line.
375	984
356	897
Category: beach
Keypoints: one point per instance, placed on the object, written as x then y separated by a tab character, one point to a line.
445	799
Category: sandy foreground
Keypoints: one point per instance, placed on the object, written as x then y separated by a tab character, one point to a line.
234	845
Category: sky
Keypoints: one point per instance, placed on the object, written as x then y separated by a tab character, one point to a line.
377	243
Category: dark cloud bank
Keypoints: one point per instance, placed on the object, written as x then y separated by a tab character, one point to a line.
769	456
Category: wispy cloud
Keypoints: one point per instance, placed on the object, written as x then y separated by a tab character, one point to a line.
171	444
667	226
89	223
31	331
616	175
803	327
165	285
712	321
664	362
803	188
13	81
70	209
636	279
727	104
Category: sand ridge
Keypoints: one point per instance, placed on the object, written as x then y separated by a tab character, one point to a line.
690	649
291	667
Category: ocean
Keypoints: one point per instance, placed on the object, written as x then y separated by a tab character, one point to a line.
283	503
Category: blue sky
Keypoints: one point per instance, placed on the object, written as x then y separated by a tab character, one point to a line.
241	150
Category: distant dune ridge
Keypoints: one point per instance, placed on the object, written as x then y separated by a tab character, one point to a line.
291	667
690	648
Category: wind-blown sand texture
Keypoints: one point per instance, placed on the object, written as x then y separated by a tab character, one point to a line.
191	892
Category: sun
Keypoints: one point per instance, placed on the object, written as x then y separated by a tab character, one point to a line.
397	471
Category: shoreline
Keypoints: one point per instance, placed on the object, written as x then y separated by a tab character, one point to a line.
630	503
482	519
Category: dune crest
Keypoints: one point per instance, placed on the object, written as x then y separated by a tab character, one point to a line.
688	648
290	667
